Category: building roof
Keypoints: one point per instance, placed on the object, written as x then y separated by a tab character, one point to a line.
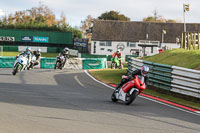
108	30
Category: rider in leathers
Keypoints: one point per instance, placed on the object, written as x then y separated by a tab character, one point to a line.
143	72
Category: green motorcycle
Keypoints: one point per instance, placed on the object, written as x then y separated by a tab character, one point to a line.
115	63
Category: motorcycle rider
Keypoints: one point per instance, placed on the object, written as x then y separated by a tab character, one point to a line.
119	55
37	54
143	72
65	53
26	53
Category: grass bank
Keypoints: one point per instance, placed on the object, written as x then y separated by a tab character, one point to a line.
110	76
8	53
178	57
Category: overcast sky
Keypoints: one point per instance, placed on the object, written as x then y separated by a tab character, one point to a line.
77	10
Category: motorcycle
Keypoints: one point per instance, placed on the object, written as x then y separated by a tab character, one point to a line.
60	60
32	62
116	63
20	63
130	90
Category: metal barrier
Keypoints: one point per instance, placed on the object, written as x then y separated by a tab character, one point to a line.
176	79
186	81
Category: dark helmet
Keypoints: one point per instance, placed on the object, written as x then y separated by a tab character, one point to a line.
144	70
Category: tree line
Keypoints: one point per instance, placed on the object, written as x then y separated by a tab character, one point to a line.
38	18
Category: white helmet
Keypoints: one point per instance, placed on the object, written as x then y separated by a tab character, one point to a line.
66	49
118	50
145	70
39	50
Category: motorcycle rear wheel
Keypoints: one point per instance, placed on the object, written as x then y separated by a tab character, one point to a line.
130	98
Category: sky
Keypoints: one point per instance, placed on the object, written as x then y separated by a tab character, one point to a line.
77	10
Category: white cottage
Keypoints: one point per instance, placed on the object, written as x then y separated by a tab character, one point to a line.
133	38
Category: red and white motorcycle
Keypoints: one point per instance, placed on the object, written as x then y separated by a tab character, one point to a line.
129	91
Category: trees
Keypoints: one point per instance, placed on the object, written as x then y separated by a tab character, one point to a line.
38	18
159	19
113	15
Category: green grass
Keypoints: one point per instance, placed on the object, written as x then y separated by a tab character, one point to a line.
16	53
110	76
178	57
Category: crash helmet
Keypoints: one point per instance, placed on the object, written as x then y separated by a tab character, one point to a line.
38	50
66	49
28	50
118	51
144	70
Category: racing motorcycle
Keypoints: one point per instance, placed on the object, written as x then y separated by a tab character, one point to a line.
32	62
115	63
20	63
130	90
60	62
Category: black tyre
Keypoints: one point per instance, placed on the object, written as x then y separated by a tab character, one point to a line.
56	66
112	65
15	70
113	97
130	98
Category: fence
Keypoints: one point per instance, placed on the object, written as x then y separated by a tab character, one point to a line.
172	78
190	41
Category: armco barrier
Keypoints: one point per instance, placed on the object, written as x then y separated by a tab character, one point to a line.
186	81
47	63
7	62
159	75
176	79
94	63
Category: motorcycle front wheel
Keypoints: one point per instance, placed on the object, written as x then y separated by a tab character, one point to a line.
15	70
130	98
56	66
112	66
113	97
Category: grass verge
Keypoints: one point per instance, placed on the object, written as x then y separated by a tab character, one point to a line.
110	76
8	53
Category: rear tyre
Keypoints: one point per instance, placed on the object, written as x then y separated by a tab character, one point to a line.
130	98
113	97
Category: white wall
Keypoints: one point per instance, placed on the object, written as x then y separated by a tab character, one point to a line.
126	50
167	46
33	48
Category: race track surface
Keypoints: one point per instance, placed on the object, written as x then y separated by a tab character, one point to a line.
69	101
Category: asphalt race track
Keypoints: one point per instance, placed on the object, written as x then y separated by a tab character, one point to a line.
69	101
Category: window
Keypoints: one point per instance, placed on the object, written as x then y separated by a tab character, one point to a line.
108	43
128	44
102	49
102	44
132	44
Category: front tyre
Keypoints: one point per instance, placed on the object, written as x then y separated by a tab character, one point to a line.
112	65
15	70
113	97
56	66
130	98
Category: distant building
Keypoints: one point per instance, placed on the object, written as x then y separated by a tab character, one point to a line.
139	38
